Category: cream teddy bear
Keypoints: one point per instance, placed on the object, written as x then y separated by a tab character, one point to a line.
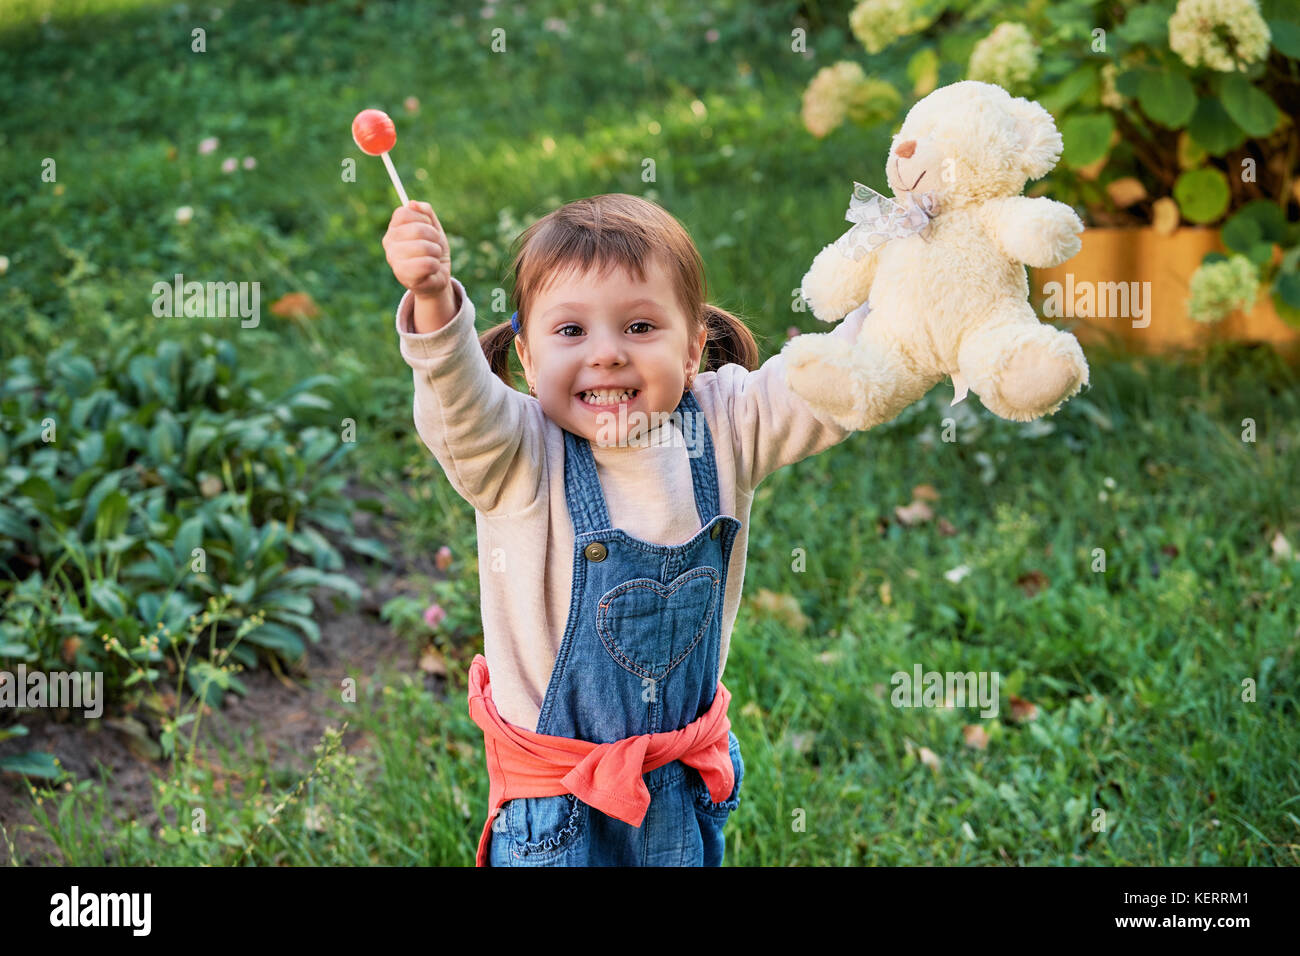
943	265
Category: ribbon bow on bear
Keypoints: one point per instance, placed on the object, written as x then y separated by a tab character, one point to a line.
877	219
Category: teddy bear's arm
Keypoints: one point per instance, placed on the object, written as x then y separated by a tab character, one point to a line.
836	285
1038	232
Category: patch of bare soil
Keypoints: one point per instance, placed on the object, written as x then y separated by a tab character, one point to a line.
284	713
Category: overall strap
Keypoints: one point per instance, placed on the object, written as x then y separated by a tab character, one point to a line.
589	511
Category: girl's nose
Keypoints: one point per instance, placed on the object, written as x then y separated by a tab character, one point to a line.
906	148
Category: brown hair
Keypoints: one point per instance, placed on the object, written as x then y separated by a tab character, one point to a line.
611	230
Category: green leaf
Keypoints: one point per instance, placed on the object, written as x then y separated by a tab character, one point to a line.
1240	233
32	765
106	596
1287	288
105	486
1213	129
40	491
188	537
1147	25
372	547
1167	96
1087	138
1269	224
923	70
278	638
318	578
1202	194
305	624
1249	106
1286	37
1260	253
1127	82
1066	93
112	516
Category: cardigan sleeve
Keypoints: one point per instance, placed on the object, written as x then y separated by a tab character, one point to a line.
771	426
486	435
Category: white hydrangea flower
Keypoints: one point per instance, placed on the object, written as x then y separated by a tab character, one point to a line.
1225	35
1219	288
1008	57
878	23
826	101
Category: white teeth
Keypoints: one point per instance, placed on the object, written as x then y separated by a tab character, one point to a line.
608	397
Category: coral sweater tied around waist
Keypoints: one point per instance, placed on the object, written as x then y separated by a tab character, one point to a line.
522	763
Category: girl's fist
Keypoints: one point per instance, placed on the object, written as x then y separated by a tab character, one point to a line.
416	248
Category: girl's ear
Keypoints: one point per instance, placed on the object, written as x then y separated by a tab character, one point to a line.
697	348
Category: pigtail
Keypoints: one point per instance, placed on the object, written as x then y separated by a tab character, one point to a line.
495	343
729	341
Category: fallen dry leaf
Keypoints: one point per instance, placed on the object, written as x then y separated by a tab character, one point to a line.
1282	547
976	737
915	513
929	758
886	594
1022	711
431	662
295	305
784	607
1093	170
945	527
925	493
1165	216
1031	582
1126	191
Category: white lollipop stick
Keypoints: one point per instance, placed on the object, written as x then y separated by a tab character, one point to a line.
397	183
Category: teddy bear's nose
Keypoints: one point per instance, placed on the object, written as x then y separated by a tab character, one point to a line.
906	149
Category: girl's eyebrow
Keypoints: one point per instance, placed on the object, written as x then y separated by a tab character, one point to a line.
582	307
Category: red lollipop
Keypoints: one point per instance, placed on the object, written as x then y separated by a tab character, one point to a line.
374	132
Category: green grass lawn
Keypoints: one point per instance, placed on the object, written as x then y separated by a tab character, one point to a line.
1143	751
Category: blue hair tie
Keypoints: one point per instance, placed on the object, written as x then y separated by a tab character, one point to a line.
514	322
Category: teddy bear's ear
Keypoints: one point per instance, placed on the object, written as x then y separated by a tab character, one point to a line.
1041	144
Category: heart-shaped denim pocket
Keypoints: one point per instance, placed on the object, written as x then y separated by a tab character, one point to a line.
649	628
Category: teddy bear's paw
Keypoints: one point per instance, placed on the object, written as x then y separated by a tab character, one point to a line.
818	370
834	285
1057	229
1038	379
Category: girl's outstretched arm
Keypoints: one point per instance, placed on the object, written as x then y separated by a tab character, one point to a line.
486	435
771	426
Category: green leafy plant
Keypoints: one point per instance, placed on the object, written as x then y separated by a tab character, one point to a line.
134	493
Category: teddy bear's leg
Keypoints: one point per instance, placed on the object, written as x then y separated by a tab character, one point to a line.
1022	369
857	387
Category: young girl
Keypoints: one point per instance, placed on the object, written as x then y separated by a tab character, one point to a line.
612	507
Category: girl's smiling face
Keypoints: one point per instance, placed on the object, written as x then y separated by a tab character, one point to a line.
591	332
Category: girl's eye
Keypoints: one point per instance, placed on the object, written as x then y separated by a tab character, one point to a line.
643	322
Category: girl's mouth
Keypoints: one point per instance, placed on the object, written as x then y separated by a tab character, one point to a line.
608	400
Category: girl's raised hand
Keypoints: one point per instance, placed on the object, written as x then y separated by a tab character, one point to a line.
416	248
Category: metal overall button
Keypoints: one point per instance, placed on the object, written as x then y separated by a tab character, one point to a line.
595	551
717	530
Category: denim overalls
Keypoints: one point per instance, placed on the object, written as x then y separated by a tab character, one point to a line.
639	655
